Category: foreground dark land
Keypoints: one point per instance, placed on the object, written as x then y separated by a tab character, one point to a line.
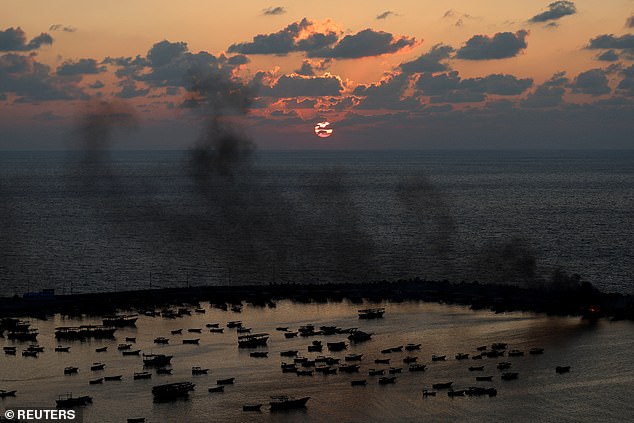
577	300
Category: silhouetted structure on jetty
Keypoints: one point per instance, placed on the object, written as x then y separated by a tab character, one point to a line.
581	299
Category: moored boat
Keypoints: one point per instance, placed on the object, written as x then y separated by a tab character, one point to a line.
227	381
70	401
4	393
286	403
172	391
251	407
253	340
158	360
442	385
196	370
219	388
562	369
120	320
387	380
371	313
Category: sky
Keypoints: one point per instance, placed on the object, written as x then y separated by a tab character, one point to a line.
387	75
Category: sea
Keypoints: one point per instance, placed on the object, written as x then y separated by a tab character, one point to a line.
122	220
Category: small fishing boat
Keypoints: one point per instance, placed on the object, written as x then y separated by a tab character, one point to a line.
282	329
259	354
97	366
196	370
194	330
194	341
216	330
130	339
504	365
376	372
409	359
349	368
394	370
476	368
212	325
509	376
101	349
361	382
336	346
176	331
253	340
353	357
227	381
371	313
458	393
219	388
131	352
417	367
71	370
29	353
359	336
4	394
70	401
141	375
122	347
9	350
304	372
158	360
515	353
412	347
112	378
290	334
387	380
435	357
462	356
251	407
234	324
484	378
283	402
289	353
243	330
163	371
442	385
498	346
536	351
95	381
382	361
562	369
59	348
171	391
427	393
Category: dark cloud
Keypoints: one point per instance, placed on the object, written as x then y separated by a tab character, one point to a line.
60	27
363	44
301	86
278	10
14	39
309	67
608	41
501	45
593	82
498	84
548	94
556	10
387	94
626	85
629	23
129	89
386	14
165	52
608	56
32	81
430	61
299	104
80	67
287	40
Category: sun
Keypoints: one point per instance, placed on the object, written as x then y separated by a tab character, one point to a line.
323	129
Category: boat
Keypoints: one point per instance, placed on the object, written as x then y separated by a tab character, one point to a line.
382	361
412	347
504	365
227	381
336	346
515	353
259	354
101	349
509	376
243	330
376	372
476	368
427	393
9	350
409	359
4	394
315	348
96	381
329	371
120	321
70	401
371	313
349	368
157	360
360	382
476	357
70	370
289	353
482	348
220	388
163	371
458	393
282	328
216	330
35	347
536	351
136	420
23	335
141	375
484	378
353	357
200	310
212	325
290	334
112	378
195	341
234	324
417	367
562	369
84	332
97	366
130	339
253	340
498	346
236	308
283	402
478	391
494	354
288	368
394	370
176	331
59	348
172	391
462	356
196	370
298	360
304	372
194	330
122	347
251	407
131	352
359	336
442	385
387	380
28	353
435	357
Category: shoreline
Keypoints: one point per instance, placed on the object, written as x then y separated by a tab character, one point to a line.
583	300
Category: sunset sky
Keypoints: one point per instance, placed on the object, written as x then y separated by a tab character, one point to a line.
388	75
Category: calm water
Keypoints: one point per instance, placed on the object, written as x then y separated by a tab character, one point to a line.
139	219
598	388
